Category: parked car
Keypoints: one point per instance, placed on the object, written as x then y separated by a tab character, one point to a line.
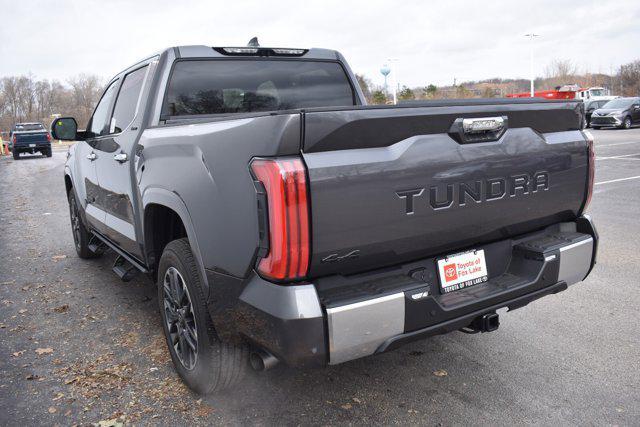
285	220
620	112
30	138
590	107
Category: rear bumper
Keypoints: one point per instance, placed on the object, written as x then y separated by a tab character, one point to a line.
343	318
37	147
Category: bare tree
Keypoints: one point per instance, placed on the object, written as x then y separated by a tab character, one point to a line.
85	90
560	72
366	86
629	79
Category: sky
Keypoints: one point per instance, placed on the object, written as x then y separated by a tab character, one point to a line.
430	42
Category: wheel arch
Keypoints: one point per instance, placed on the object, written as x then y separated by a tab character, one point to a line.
165	217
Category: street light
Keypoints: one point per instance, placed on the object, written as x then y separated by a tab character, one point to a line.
395	78
531	36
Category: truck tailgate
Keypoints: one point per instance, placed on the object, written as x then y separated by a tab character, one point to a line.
390	185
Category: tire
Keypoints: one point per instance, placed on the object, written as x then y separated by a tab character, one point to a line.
81	236
16	155
48	152
626	124
214	365
595	127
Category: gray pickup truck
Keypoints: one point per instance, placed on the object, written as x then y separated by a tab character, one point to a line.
283	219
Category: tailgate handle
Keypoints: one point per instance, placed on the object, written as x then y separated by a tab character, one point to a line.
478	129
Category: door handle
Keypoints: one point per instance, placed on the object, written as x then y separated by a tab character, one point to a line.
92	156
120	157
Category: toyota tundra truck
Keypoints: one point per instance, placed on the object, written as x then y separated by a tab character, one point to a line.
284	220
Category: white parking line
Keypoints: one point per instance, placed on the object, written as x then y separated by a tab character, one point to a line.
617	180
619	157
616	144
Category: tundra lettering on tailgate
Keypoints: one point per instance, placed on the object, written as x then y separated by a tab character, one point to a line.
445	196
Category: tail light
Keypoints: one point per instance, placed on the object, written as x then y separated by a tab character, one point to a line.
285	183
15	139
591	166
48	137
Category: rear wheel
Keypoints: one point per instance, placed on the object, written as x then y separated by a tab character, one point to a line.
47	152
81	235
203	362
16	154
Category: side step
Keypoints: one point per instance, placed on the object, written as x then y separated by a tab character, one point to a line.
125	266
96	245
124	269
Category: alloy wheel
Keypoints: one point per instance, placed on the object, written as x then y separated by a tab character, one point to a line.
180	319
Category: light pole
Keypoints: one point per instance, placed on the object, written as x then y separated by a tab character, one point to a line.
394	69
531	37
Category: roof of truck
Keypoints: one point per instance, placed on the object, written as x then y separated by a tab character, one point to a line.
200	51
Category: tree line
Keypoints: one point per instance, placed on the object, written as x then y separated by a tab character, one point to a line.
624	82
27	99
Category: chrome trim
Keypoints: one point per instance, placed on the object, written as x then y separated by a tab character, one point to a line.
357	330
575	261
482	124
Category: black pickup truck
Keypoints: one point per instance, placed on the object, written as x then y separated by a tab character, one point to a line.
285	220
30	138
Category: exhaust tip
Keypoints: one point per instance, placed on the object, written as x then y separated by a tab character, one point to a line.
261	360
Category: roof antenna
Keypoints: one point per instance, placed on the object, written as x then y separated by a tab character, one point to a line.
253	42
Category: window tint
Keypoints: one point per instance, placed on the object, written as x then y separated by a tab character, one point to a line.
239	86
128	99
98	123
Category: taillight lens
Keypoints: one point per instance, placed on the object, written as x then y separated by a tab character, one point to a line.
592	168
285	183
48	137
15	139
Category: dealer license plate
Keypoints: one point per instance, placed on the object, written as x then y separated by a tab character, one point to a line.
462	270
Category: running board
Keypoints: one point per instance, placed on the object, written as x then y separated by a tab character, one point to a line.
121	254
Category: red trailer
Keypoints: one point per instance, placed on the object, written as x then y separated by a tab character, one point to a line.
560	92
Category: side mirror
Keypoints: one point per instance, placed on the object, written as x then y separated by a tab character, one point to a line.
65	129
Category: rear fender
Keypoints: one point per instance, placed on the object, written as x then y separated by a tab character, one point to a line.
160	196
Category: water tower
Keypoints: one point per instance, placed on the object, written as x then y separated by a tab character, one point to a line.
385	70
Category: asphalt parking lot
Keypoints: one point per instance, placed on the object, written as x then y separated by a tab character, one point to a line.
79	346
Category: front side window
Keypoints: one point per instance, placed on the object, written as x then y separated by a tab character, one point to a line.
98	123
127	101
242	86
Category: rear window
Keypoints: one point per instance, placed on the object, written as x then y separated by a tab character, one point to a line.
28	127
243	86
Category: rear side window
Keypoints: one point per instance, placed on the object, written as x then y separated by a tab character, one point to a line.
243	86
127	100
